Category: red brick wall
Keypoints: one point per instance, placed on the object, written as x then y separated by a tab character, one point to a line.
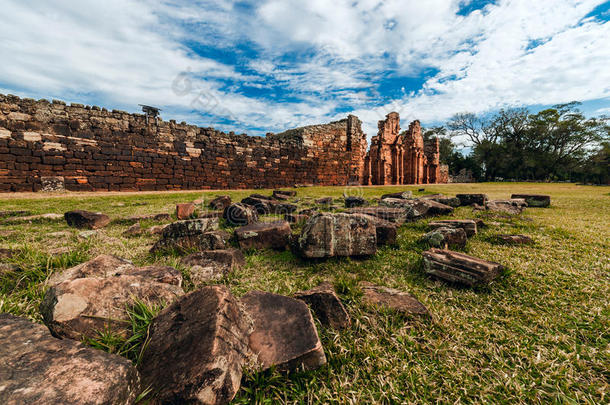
95	149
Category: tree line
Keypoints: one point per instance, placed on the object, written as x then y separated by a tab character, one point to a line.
555	144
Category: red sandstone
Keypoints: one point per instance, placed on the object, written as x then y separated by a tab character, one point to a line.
94	149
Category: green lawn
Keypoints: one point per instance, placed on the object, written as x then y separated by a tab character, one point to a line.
540	334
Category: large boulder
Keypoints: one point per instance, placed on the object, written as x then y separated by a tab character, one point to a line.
460	268
86	220
40	369
284	334
470	199
263	235
444	237
240	214
197	234
392	298
330	235
535	200
220	203
395	215
468	225
326	305
197	349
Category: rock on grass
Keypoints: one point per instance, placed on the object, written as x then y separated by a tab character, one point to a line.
40	369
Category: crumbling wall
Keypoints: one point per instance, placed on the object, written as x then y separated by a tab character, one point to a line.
96	149
396	158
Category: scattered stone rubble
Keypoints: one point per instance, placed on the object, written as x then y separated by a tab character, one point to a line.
200	343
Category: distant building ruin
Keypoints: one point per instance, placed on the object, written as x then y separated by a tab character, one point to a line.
88	148
396	158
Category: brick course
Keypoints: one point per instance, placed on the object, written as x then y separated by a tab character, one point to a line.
96	149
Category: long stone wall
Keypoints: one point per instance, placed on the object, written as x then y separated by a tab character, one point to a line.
96	149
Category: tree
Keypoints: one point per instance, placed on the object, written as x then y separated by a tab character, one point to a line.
562	137
514	144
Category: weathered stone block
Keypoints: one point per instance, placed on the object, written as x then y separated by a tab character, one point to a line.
468	225
443	237
40	369
84	307
326	305
197	349
330	235
185	210
220	202
469	199
460	268
392	298
240	214
86	220
535	200
262	235
284	333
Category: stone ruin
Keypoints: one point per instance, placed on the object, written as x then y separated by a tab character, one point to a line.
51	146
396	158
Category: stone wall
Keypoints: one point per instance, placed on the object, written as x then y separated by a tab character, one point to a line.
96	149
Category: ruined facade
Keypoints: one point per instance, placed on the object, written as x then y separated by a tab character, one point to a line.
396	158
90	149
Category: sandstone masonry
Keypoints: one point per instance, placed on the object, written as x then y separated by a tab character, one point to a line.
91	149
397	158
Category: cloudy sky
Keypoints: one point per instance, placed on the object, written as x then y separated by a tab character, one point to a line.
260	66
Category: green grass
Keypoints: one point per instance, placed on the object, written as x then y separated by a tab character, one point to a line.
539	334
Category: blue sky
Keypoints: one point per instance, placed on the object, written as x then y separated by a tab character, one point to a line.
270	65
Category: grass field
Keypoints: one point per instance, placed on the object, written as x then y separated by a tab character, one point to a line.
541	334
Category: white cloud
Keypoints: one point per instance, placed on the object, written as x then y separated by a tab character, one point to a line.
122	53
